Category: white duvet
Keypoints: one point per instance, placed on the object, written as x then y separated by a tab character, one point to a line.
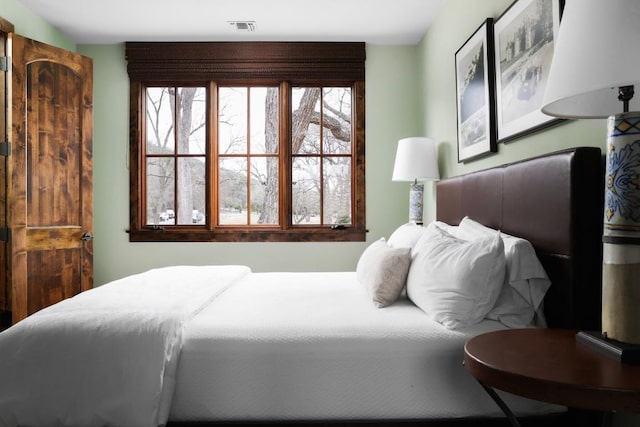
224	344
313	347
107	356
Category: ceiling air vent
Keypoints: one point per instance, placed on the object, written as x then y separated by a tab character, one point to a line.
244	26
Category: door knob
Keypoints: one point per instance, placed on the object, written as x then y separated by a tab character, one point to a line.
87	236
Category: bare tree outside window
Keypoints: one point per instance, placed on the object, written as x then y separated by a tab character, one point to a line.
176	149
248	155
247	134
321	148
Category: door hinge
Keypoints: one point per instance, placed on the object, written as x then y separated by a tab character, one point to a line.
5	148
5	234
5	63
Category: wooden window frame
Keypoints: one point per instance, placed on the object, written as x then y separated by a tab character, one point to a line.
286	64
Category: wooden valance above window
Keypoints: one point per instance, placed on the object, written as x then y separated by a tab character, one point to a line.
304	61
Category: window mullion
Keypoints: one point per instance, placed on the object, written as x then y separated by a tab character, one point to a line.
358	208
284	154
248	154
138	108
321	160
212	157
176	118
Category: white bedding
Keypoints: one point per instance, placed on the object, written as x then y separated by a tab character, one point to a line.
222	343
312	346
106	356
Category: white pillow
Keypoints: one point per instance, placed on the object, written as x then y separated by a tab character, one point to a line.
456	282
383	271
407	235
526	281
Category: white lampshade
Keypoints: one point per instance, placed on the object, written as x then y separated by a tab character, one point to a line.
595	53
416	160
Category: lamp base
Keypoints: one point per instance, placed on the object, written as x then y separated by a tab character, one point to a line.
415	202
621	234
622	352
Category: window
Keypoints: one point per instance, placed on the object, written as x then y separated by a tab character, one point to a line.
248	155
247	141
175	153
321	155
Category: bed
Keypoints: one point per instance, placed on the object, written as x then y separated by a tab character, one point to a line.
221	344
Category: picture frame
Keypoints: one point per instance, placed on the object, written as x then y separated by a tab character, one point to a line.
475	95
524	37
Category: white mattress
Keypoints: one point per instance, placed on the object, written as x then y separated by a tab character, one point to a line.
312	346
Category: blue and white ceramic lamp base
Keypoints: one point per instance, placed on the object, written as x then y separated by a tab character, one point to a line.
415	203
621	237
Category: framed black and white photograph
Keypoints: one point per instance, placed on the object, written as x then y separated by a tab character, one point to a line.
524	37
474	93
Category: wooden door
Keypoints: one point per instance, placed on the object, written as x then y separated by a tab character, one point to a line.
5	75
50	193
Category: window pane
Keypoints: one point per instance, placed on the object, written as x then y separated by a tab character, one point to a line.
192	120
264	190
336	118
160	190
232	122
191	191
306	190
305	137
264	120
232	193
160	136
337	190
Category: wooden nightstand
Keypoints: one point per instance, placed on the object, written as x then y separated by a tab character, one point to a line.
550	366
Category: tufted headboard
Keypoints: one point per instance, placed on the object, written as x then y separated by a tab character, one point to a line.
556	202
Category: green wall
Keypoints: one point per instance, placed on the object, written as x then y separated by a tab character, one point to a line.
410	91
29	25
456	22
392	112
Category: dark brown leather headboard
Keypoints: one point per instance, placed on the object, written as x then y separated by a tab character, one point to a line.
556	202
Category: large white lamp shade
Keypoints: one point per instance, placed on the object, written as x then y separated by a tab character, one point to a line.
416	159
596	52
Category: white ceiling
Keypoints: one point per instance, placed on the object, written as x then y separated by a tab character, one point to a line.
114	21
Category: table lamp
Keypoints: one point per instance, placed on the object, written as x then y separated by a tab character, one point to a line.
594	70
416	160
